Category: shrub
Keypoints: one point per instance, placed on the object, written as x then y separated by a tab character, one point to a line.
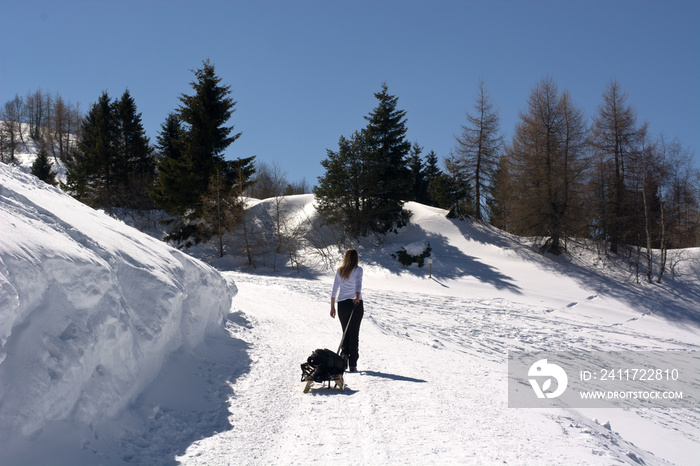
414	252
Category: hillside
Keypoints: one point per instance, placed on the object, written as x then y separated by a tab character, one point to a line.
474	259
114	351
26	151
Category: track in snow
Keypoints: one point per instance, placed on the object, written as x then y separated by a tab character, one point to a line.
431	385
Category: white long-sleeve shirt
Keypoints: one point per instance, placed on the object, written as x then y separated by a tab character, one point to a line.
345	289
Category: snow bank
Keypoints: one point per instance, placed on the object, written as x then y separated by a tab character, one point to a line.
90	308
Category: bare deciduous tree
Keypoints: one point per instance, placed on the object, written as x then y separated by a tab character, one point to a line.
615	137
11	127
478	148
547	163
60	128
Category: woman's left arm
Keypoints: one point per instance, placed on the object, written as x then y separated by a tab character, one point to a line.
358	285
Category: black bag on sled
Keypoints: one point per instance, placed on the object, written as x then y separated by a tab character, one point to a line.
323	365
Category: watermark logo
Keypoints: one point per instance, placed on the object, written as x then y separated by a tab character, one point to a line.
604	379
544	371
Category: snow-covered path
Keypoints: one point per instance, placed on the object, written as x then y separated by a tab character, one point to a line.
112	349
431	386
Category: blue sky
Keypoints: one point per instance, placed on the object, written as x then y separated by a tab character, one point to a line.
304	72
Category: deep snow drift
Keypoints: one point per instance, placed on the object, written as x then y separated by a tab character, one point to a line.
114	352
91	309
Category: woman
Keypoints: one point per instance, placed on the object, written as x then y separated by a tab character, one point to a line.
347	287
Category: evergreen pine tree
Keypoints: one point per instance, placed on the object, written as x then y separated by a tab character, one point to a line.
170	191
191	146
169	138
340	192
420	183
431	172
90	175
135	167
43	169
457	189
204	115
390	181
134	148
112	165
441	191
367	180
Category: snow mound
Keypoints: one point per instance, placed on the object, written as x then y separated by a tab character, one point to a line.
415	249
91	308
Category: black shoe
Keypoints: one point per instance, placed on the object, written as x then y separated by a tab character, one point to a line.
353	369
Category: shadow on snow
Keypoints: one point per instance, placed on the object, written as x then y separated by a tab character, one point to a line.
189	399
451	262
398	378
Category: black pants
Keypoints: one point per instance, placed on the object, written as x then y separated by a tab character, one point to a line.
352	337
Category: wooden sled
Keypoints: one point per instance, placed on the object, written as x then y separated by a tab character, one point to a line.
338	379
334	364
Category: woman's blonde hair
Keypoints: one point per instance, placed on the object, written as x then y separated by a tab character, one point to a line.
350	261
